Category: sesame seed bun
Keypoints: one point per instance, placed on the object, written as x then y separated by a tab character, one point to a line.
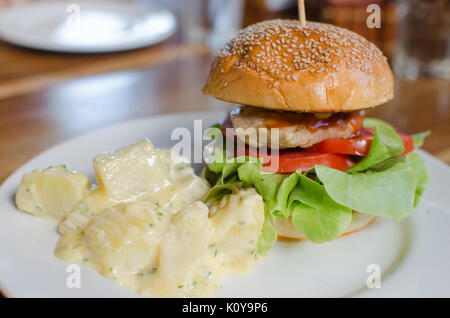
281	65
287	232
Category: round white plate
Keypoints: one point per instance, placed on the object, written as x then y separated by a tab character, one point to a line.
412	255
86	26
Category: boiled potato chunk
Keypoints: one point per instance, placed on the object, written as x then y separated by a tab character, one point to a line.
124	239
183	188
132	172
92	204
184	247
52	192
238	220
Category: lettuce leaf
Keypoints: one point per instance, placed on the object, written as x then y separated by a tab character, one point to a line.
420	172
419	138
386	144
268	235
390	192
219	191
315	214
283	195
267	184
393	192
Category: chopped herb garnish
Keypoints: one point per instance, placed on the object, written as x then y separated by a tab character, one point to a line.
85	259
180	286
241	223
139	275
153	270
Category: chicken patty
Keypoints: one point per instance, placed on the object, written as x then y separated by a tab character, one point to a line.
295	129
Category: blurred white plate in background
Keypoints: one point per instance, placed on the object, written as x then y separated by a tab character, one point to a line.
86	27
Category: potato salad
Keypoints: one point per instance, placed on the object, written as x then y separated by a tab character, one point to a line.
146	223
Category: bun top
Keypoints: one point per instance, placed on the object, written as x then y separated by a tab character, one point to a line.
279	64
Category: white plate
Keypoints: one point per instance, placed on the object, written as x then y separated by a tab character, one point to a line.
413	255
86	26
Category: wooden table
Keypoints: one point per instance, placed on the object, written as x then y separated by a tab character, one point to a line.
46	98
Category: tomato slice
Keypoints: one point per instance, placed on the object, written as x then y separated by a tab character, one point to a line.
291	160
358	145
332	152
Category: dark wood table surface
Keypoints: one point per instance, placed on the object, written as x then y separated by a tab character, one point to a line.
46	98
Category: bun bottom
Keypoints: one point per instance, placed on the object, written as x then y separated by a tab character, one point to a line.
287	232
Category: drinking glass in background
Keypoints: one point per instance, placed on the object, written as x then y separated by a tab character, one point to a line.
423	47
213	22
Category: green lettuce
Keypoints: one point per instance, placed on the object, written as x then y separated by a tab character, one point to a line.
314	212
420	172
386	144
216	193
284	193
420	138
267	184
268	234
390	192
384	183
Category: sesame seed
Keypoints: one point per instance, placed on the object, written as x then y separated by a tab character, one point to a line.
284	47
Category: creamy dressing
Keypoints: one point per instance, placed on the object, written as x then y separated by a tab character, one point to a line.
145	227
145	247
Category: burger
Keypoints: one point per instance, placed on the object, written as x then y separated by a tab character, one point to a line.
326	171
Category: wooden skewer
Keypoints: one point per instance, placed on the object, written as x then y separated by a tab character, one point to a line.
301	12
